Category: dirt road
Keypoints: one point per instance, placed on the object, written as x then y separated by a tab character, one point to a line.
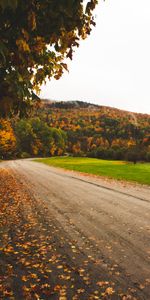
95	236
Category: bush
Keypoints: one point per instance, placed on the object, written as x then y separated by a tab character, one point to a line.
25	155
101	153
148	156
92	154
132	155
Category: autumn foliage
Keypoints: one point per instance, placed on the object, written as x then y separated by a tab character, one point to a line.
78	129
7	139
100	131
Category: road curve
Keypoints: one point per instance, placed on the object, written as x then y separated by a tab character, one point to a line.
109	223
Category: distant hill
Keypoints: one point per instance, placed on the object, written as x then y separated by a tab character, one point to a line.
77	104
67	104
99	131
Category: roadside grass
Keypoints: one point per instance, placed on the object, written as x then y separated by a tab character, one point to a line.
120	170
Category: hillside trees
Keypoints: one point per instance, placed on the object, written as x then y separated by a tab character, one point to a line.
101	132
36	38
25	136
109	128
36	138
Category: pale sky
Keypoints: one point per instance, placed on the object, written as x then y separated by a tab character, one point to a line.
111	67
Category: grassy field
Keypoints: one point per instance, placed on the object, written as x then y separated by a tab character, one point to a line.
114	169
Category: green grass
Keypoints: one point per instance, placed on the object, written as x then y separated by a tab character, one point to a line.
114	169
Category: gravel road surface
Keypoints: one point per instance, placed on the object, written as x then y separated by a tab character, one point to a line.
101	228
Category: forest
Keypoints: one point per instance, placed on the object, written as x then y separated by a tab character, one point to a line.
76	128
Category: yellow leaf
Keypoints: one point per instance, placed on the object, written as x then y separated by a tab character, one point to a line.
24	278
109	291
22	45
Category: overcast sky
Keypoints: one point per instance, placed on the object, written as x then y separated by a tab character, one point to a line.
111	67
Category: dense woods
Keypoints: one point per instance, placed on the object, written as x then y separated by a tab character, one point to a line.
79	129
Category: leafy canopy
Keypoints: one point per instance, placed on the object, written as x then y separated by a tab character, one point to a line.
36	38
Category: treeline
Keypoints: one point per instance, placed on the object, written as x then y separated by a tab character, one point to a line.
78	129
30	137
99	131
